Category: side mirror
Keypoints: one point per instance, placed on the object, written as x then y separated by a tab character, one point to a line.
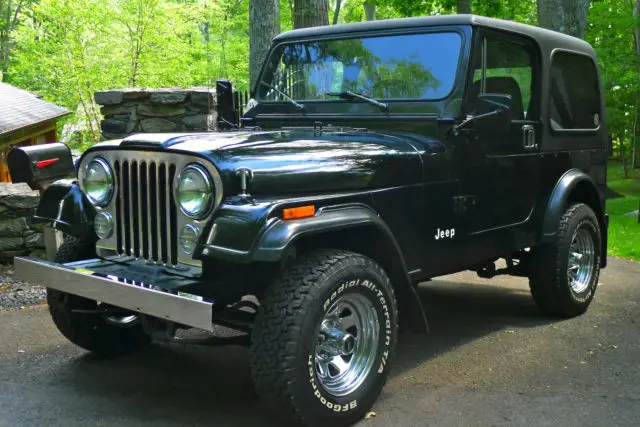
491	115
493	112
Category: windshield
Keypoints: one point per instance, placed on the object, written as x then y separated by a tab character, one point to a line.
415	66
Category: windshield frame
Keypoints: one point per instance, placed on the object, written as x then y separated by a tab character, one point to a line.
460	65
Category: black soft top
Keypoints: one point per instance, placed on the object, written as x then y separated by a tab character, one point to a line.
546	38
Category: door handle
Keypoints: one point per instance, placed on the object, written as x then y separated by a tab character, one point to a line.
529	137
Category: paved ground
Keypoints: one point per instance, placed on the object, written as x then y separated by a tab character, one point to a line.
490	360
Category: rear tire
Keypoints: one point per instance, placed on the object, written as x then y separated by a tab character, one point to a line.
324	338
90	331
565	273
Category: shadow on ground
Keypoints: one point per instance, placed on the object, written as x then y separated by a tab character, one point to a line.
189	385
459	313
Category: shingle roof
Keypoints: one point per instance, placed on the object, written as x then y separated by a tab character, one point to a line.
19	108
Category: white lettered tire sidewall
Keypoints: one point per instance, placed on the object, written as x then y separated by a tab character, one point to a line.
378	291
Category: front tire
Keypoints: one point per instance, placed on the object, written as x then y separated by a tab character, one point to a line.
565	273
324	337
93	332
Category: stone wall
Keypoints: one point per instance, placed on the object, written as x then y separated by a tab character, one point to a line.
128	111
17	237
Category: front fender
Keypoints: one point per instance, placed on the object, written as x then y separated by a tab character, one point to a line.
251	234
65	207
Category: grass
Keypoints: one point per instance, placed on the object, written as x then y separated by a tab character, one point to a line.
624	231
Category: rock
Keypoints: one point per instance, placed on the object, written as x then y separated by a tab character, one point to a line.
20	202
7	256
118	111
35	240
160	111
198	122
203	98
38	253
193	109
133	122
157	125
135	94
108	97
9	213
38	228
114	126
111	136
11	244
168	97
21	189
13	228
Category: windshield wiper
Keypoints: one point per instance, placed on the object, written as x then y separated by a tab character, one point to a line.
284	94
347	94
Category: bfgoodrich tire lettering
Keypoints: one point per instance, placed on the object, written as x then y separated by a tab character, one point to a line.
285	337
550	280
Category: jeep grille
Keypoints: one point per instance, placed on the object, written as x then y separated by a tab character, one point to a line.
146	216
146	223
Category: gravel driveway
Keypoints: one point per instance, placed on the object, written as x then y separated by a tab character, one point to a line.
490	360
15	294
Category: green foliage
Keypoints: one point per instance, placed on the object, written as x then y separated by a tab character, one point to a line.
624	230
610	31
71	48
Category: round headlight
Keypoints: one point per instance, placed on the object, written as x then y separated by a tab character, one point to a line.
194	192
189	238
103	225
98	182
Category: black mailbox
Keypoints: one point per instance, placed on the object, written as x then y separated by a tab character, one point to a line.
39	165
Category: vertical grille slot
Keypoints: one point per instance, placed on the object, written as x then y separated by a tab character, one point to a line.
163	213
119	239
133	200
143	211
173	219
126	214
145	207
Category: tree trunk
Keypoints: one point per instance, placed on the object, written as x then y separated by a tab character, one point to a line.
369	10
337	11
264	25
565	16
464	7
635	162
310	13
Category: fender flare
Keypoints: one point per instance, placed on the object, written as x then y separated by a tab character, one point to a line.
65	207
560	198
274	243
280	235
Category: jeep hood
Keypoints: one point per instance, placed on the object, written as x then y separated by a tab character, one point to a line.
295	161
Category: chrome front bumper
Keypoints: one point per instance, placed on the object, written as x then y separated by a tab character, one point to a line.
92	279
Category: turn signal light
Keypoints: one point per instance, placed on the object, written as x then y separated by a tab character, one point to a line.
299	212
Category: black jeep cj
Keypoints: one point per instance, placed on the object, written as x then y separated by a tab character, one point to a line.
372	157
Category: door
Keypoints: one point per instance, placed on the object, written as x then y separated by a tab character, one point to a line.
499	172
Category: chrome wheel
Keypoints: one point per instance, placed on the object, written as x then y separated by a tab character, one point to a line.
581	260
120	317
346	345
122	320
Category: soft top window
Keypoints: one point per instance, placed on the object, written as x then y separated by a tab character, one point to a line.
415	66
575	92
